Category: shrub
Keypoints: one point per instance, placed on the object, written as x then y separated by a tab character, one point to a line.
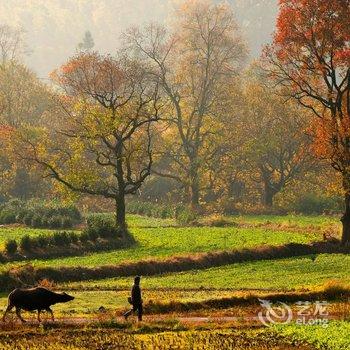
11	246
66	222
61	238
15	203
43	241
73	237
72	212
45	221
54	222
217	220
20	215
26	243
186	217
7	216
9	211
178	210
166	212
36	221
39	214
92	233
313	204
151	209
101	225
27	219
84	237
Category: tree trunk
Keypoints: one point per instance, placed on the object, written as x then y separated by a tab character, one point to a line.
120	212
269	193
120	197
194	183
346	220
194	194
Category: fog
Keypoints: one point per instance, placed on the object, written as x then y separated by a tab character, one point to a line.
55	27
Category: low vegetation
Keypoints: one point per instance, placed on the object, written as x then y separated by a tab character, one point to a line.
201	289
281	274
218	152
164	242
160	336
99	234
333	337
39	214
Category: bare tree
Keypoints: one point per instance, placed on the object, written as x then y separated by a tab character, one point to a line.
12	45
194	65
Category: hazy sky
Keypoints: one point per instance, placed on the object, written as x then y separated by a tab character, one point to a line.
55	27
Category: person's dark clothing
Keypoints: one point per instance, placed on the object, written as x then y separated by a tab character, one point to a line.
136	301
136	294
136	308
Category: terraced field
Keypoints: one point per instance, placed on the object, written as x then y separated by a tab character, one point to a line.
336	336
147	338
155	239
160	239
304	221
17	232
283	274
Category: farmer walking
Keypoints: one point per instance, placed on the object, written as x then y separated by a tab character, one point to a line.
135	300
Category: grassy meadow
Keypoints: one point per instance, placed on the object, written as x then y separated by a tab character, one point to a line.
283	274
162	336
160	239
335	336
17	232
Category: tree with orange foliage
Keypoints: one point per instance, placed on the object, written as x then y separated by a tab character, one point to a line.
99	139
310	55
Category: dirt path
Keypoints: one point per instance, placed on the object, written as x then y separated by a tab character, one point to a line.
155	318
197	320
151	318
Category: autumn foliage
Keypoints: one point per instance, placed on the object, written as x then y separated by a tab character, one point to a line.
314	31
176	115
310	57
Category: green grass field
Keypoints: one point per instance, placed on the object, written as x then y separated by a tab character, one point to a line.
162	241
284	274
13	232
159	336
336	336
319	221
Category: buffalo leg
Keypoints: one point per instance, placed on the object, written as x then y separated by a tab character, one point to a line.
39	319
18	313
8	309
50	311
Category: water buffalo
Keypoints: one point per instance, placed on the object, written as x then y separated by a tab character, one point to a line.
37	298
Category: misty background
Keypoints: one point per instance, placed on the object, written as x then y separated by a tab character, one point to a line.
54	28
